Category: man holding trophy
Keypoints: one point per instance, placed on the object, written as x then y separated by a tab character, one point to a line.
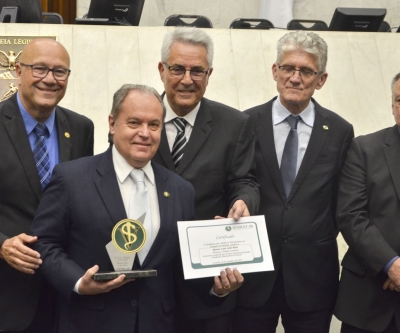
116	212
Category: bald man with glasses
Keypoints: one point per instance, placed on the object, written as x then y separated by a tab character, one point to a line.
35	135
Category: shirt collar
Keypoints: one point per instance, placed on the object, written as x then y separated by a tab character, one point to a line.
280	113
30	122
123	168
170	115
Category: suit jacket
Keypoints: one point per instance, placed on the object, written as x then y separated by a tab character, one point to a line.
368	217
74	223
301	228
219	163
20	192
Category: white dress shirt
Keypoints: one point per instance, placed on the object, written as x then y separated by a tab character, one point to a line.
170	128
282	128
123	169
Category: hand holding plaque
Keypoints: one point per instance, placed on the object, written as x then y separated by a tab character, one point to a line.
127	238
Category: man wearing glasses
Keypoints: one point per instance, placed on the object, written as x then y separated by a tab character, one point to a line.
212	146
35	135
300	150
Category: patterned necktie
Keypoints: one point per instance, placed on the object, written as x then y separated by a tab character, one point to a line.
289	156
180	140
138	205
41	155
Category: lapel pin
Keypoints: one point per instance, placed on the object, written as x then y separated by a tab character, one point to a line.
166	194
325	127
66	134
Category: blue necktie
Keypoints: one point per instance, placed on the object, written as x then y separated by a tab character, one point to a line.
289	156
41	155
180	141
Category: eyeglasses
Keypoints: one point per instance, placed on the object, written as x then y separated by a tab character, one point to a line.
196	73
39	71
304	72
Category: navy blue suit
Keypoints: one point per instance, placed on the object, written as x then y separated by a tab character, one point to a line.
20	193
74	223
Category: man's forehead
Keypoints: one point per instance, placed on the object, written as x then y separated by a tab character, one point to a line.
42	50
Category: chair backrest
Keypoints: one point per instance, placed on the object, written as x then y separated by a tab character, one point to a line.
316	25
9	14
385	27
198	21
52	18
242	23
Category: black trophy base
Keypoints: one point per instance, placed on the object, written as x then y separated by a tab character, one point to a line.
105	276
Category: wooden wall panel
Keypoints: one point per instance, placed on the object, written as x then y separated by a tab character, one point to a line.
67	9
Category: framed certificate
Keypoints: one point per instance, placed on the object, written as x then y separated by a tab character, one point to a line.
209	246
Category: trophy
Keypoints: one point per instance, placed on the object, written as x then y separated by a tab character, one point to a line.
127	238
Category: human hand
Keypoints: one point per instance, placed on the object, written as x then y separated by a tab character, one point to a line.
394	275
238	210
227	281
390	285
18	255
88	286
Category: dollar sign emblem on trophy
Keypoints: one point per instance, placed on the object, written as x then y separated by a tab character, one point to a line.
128	237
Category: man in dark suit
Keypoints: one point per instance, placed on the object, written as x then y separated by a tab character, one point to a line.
298	168
87	198
69	136
210	145
368	218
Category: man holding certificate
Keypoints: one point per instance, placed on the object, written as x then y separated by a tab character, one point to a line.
211	145
300	150
99	213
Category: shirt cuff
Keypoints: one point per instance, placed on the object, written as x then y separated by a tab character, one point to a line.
214	294
390	263
76	287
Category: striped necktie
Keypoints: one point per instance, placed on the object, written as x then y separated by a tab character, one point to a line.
41	155
180	140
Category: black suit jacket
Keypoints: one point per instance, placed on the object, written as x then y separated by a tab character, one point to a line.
20	192
302	228
219	163
74	222
369	217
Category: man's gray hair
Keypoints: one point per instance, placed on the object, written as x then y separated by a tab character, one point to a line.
305	41
395	79
187	35
121	93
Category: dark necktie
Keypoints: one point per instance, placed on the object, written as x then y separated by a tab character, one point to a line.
41	155
289	156
180	141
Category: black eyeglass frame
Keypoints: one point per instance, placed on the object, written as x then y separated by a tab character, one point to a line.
192	71
48	69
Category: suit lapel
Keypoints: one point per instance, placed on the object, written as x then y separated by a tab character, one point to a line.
265	135
317	140
164	151
166	205
392	155
15	128
64	133
201	131
107	186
